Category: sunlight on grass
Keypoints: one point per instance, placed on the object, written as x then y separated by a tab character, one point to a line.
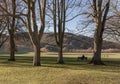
72	72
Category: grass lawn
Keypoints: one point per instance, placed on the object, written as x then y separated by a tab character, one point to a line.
72	72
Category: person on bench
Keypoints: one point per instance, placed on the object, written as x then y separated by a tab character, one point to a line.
82	58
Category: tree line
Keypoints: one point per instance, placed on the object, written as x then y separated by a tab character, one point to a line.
34	15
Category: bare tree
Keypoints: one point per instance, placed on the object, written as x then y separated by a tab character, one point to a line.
112	29
100	10
11	30
62	12
33	17
9	8
60	6
35	12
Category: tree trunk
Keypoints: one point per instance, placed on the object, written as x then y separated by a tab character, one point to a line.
60	56
96	60
12	48
36	58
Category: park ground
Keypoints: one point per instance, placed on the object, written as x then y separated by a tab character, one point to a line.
72	72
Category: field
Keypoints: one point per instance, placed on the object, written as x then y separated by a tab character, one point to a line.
72	72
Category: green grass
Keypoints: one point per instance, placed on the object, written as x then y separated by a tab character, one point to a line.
72	72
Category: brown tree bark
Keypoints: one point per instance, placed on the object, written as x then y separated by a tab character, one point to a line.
59	20
12	47
97	49
60	55
11	30
36	58
36	32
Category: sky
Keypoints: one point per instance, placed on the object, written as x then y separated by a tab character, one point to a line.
75	26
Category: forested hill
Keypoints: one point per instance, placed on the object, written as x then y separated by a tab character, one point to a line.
72	42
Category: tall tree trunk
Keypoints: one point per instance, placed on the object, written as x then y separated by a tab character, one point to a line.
12	48
60	55
36	58
97	49
99	16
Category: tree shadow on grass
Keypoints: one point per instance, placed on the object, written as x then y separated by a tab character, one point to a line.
27	60
20	61
70	63
112	63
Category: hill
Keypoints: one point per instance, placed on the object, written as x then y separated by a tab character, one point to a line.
72	42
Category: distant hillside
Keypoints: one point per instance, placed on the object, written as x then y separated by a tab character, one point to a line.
72	42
